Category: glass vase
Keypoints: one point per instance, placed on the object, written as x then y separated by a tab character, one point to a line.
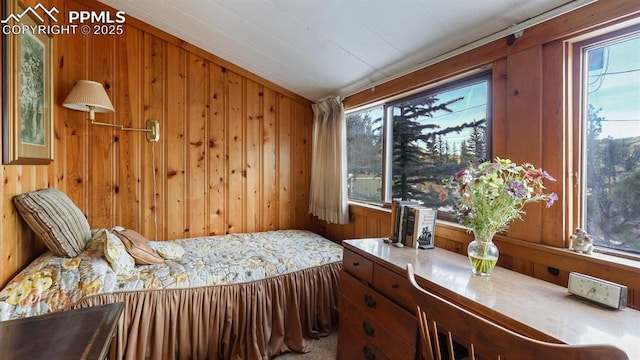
483	253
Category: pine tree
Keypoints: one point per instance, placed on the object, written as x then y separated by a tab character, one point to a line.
415	166
612	186
476	148
364	146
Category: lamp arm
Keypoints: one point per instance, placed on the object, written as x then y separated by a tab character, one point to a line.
119	126
153	128
133	129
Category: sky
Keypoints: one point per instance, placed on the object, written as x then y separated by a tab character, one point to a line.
472	107
616	89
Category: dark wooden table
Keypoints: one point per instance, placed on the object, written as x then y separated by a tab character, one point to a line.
74	334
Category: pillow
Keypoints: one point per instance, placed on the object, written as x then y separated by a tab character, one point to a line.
168	249
55	219
137	246
121	262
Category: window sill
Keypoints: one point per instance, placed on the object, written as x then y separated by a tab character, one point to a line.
613	268
371	205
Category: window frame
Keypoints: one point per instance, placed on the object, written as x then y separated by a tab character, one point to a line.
364	109
483	74
577	144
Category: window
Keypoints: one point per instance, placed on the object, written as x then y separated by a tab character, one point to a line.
611	140
364	155
404	148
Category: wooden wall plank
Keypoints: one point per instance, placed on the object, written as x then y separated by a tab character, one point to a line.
11	237
174	144
153	172
302	164
72	64
524	121
101	150
217	161
556	225
499	138
235	152
269	135
285	163
130	147
196	200
253	151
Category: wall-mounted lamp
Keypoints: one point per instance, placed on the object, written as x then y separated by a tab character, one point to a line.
90	96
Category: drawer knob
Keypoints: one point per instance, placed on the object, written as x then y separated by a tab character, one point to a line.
356	263
370	301
368	329
368	354
395	286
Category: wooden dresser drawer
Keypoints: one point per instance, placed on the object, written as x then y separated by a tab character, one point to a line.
352	346
358	266
399	322
376	333
394	286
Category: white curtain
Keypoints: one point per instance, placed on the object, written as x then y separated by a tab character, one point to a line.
328	199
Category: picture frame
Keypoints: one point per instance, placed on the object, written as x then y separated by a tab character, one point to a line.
27	89
427	229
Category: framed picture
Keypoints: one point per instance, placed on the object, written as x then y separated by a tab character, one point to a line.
27	88
427	228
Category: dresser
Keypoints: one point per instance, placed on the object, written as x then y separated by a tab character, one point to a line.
377	319
376	310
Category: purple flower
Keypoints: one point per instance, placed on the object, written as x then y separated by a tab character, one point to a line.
552	198
546	175
516	190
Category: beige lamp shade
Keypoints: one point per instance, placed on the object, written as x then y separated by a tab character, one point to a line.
88	95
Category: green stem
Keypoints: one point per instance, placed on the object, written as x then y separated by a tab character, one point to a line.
481	261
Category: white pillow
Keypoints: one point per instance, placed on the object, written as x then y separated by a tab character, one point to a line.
168	249
121	262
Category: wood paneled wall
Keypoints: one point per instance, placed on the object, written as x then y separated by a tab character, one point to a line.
531	122
233	154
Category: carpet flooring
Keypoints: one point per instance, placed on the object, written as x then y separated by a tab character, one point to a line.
323	349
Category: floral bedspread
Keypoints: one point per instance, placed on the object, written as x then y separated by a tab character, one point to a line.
51	283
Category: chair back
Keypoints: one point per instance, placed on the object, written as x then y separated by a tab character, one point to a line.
448	331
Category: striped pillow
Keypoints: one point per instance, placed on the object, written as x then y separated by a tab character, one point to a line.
55	219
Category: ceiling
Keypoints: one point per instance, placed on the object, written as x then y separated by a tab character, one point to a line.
320	48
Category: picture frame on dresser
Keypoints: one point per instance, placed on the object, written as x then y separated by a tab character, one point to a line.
421	225
27	87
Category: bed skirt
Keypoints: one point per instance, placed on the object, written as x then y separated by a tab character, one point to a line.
253	320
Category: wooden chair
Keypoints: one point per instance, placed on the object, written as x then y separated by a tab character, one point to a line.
483	339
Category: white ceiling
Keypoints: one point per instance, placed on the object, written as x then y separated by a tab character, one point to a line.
320	48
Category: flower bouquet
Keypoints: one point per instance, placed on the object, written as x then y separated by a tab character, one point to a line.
489	195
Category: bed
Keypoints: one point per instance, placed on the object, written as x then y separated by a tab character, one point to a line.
234	296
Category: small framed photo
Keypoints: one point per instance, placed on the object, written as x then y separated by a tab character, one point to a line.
427	229
27	118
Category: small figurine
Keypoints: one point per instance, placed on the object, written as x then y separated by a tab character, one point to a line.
581	242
